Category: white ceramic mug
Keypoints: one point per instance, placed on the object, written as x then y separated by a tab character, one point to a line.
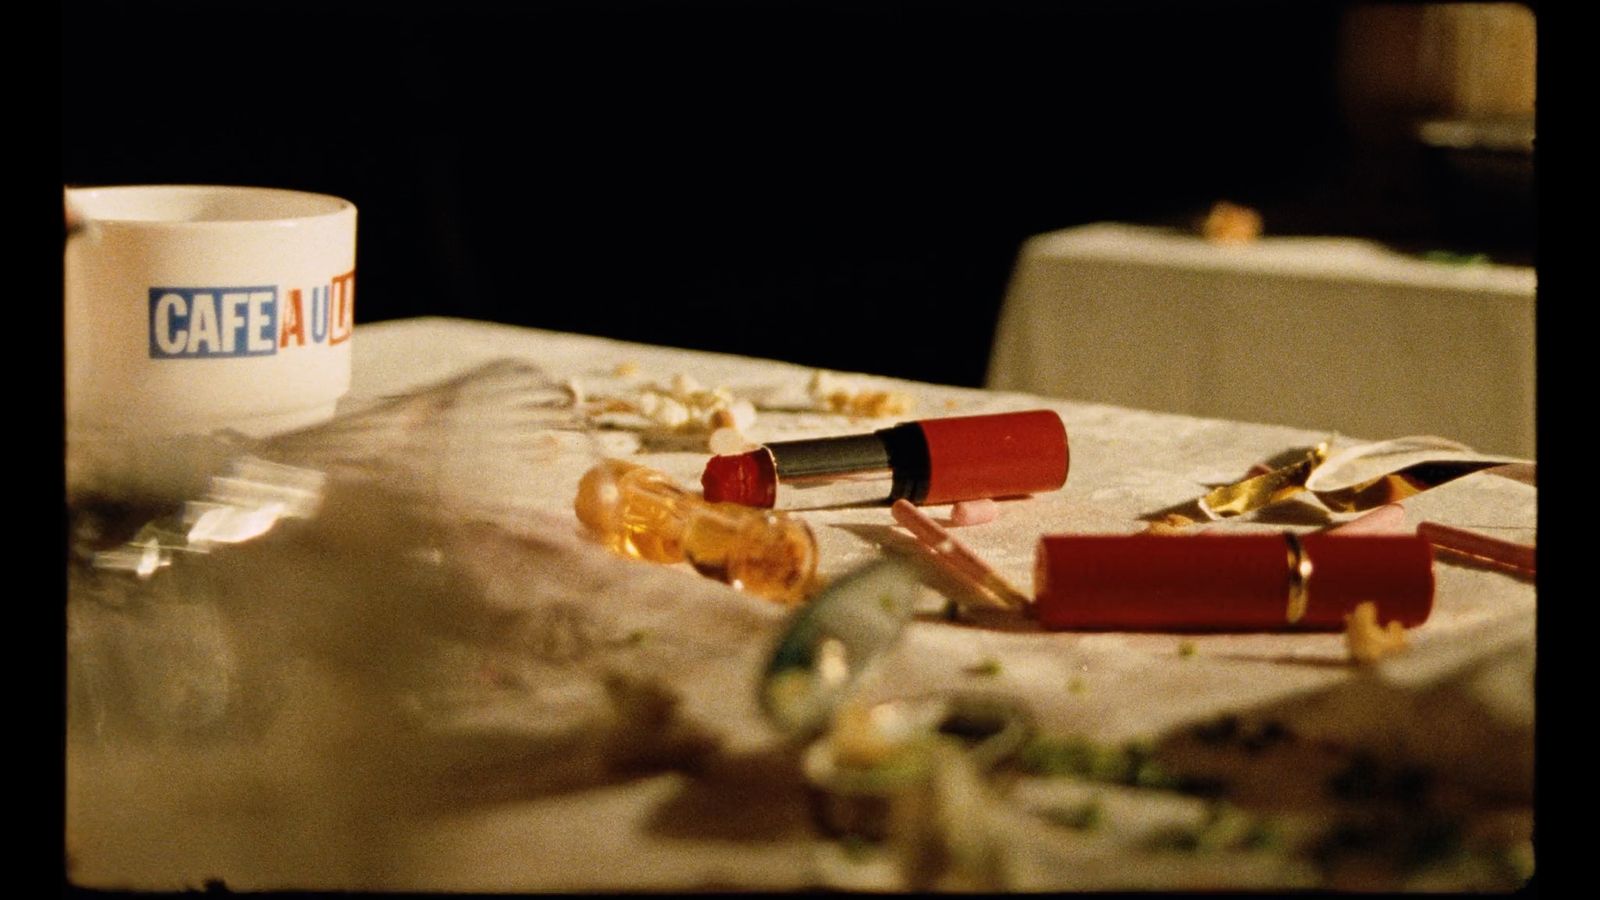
191	309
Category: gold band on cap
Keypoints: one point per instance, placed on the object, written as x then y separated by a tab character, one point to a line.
1299	578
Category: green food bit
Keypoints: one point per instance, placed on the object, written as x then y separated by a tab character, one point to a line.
1151	775
1132	764
1449	258
1515	863
1045	756
907	766
1110	764
886	603
989	666
1175	839
1226	829
637	637
858	848
1076	685
1262	835
1084	817
1186	648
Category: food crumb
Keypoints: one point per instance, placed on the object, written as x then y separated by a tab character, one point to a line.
990	666
1084	817
683	405
858	739
1446	257
740	414
1186	648
1131	764
1169	524
880	404
1365	640
1076	685
834	394
1230	223
663	410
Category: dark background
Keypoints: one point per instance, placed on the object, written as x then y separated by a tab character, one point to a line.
838	184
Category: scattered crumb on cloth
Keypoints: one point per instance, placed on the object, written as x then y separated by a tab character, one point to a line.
1171	523
835	394
681	405
1366	641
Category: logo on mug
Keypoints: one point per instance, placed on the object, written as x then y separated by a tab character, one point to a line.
205	322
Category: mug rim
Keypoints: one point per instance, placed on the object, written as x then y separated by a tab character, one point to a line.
302	205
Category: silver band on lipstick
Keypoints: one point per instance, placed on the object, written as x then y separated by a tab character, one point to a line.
836	471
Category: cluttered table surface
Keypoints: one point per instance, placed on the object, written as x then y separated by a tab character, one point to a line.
423	674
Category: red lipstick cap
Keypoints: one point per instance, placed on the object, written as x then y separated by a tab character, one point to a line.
1228	582
1005	455
746	478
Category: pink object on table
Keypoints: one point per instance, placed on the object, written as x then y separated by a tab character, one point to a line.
1480	547
955	557
1391	519
974	512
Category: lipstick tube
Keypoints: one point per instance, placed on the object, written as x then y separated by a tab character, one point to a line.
926	462
1214	582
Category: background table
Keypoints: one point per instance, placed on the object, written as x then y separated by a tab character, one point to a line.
1336	333
332	791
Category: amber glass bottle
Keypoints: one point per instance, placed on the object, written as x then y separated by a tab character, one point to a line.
640	512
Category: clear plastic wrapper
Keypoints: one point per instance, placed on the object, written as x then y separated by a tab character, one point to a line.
419	556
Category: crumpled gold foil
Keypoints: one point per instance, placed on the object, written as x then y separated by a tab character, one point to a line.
1260	490
1398	469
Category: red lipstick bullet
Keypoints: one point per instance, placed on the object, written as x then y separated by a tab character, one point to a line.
1209	582
926	462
